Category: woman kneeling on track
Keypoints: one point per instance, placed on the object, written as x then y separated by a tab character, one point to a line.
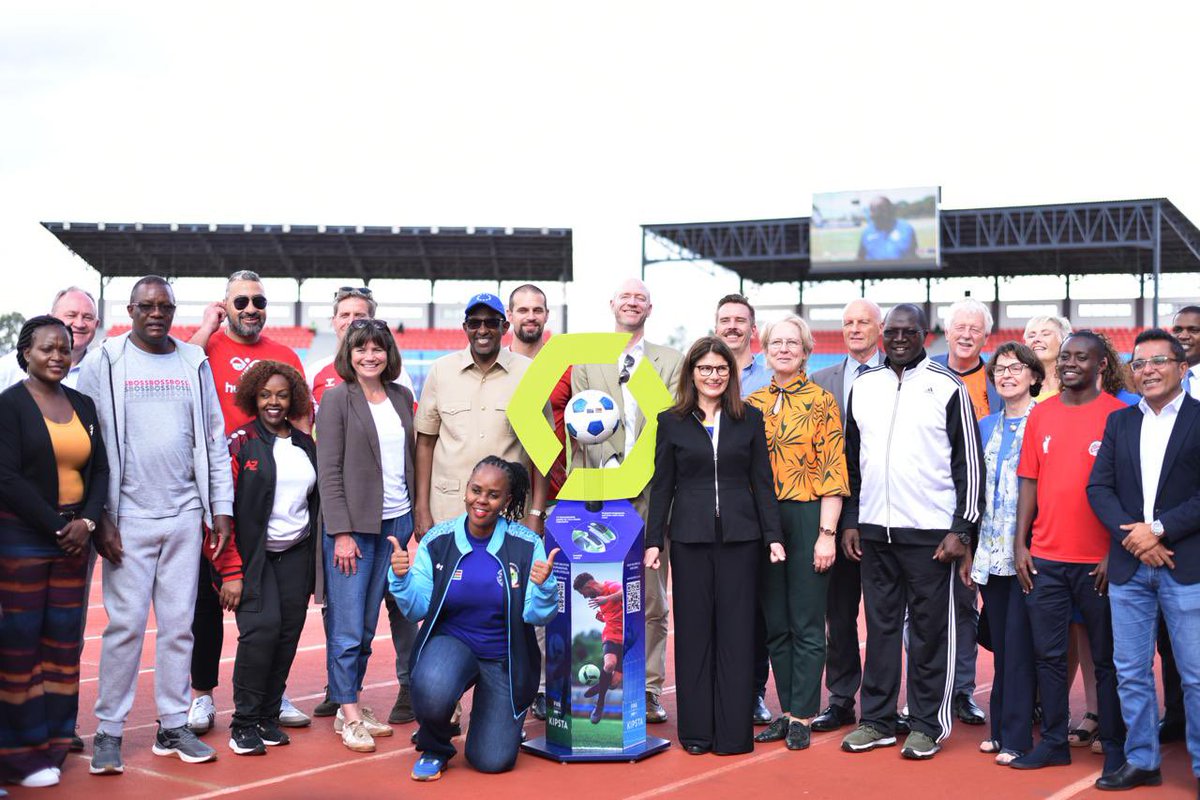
481	582
267	572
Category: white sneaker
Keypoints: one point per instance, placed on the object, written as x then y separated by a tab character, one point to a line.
202	714
374	727
356	737
46	776
292	717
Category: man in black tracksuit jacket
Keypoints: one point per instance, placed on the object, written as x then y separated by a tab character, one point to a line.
916	497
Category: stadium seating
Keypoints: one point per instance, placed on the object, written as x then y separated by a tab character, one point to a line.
297	338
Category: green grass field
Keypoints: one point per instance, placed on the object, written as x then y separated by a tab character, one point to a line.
607	733
841	244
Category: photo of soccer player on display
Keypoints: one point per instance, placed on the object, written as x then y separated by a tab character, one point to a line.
606	598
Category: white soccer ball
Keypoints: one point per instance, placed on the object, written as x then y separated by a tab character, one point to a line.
591	416
589	675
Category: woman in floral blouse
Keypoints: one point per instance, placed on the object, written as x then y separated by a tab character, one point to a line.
804	441
1017	374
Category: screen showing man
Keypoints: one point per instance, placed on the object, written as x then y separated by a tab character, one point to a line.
875	230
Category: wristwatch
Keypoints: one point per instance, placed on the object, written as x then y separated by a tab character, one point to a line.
91	526
827	531
537	512
965	538
1156	528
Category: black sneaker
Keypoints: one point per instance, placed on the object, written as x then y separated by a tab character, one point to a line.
245	741
76	745
106	755
654	711
271	734
182	742
325	708
402	710
539	706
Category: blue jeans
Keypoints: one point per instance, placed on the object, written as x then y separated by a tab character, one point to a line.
1135	608
352	603
445	670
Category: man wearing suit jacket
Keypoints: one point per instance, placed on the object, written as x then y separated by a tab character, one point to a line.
631	308
1145	489
862	322
968	325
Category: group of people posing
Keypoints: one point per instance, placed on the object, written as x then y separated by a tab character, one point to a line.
211	476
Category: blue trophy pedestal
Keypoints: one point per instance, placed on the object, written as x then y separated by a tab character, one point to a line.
543	749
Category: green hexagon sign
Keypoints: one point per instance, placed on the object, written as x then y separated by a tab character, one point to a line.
526	413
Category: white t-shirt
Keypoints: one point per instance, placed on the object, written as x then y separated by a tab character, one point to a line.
294	480
391	450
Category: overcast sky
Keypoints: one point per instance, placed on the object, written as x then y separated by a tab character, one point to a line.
593	116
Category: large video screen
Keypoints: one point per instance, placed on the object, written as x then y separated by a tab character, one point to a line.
875	230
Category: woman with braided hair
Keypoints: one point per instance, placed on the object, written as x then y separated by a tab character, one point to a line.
481	582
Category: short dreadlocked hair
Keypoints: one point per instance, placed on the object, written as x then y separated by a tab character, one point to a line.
518	485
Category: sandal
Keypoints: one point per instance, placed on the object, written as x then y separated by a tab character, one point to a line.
1081	736
989	746
1006	757
1098	747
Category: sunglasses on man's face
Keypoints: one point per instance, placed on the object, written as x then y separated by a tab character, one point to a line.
365	322
241	301
491	323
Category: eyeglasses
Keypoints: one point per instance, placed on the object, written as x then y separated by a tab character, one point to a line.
241	301
351	291
706	370
1140	364
1015	369
491	323
149	308
783	344
902	333
366	322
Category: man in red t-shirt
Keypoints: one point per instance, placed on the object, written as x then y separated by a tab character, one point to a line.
1064	564
230	352
605	597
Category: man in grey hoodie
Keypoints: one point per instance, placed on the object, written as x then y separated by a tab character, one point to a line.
159	413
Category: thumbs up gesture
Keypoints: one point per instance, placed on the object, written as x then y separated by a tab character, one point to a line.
541	569
399	558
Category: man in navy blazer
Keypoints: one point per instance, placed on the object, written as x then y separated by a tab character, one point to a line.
1145	488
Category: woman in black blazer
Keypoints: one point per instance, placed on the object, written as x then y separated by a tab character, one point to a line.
53	482
366	451
712	488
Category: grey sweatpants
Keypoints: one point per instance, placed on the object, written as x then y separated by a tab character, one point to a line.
160	564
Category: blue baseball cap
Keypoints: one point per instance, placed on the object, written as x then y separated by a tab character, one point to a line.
485	299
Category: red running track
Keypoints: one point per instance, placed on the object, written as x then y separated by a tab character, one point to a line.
316	766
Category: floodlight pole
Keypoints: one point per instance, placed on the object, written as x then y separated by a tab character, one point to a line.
1157	260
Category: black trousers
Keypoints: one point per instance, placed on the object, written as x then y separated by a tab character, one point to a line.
762	656
1014	681
267	638
896	576
714	592
208	632
843	657
1055	587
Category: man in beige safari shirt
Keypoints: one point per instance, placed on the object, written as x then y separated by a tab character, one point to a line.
462	417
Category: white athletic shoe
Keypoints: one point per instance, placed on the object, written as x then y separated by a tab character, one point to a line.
47	776
292	717
202	714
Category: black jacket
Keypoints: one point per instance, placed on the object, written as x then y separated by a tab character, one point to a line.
252	457
28	470
1115	490
684	493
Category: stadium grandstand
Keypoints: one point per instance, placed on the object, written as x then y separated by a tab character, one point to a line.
358	254
1141	238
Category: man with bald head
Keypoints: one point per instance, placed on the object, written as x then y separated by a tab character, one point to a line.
862	322
916	497
77	309
631	308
